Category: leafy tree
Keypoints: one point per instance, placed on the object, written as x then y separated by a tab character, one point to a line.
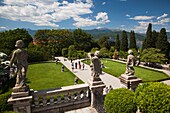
149	40
162	42
117	43
72	53
81	54
153	55
132	40
65	52
54	40
36	53
104	52
112	49
82	40
124	41
10	37
94	49
41	37
104	42
123	54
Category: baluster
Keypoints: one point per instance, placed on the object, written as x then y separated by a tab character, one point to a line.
36	101
66	97
72	96
44	101
59	99
52	100
85	94
78	95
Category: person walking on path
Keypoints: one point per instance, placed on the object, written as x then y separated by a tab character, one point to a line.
83	66
72	67
62	68
75	80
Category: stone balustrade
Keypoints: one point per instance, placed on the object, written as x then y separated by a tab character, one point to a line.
61	99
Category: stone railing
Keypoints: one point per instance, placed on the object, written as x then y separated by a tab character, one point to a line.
61	99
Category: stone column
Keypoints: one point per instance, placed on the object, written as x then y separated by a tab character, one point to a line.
97	98
21	99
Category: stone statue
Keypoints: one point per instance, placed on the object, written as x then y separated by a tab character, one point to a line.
130	63
96	65
21	57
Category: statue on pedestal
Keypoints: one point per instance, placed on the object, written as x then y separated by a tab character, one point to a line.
130	63
21	57
96	65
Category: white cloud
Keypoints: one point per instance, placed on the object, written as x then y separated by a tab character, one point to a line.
2	28
100	19
165	20
122	25
103	3
162	16
123	0
142	18
143	22
98	27
46	12
127	15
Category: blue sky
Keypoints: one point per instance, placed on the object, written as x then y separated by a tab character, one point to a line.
86	14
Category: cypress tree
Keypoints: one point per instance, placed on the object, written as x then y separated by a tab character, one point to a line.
124	41
154	37
162	42
132	40
149	42
117	43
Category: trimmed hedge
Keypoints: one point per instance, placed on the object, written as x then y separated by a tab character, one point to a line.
153	97
120	101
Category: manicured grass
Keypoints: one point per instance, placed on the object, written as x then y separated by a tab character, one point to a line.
48	75
117	68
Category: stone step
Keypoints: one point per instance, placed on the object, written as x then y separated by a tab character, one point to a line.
83	110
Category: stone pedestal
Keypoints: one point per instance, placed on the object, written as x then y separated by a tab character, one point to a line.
131	82
21	99
97	98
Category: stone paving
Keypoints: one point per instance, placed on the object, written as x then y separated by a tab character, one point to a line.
85	74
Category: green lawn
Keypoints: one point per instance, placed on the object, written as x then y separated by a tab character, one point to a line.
48	75
117	68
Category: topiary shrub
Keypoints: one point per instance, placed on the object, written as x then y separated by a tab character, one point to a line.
153	97
120	101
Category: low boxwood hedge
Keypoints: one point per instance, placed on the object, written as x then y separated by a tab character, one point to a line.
120	101
153	97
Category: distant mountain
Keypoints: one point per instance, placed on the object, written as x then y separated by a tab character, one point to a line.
98	33
31	32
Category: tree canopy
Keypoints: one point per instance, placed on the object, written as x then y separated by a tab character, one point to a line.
132	40
162	42
117	43
10	37
153	55
124	41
